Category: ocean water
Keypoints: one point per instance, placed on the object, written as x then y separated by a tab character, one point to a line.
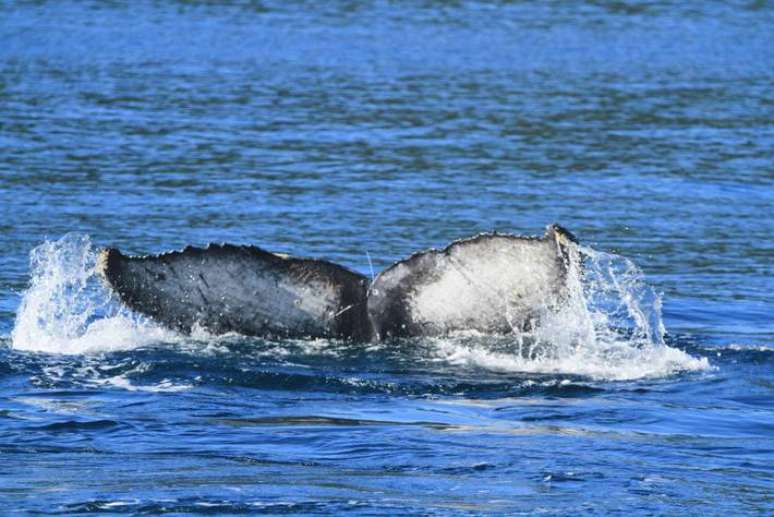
362	132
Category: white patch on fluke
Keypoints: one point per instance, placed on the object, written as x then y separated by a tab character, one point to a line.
482	282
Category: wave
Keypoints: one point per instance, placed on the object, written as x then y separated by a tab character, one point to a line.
610	328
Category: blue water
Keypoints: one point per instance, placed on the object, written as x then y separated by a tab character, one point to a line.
361	132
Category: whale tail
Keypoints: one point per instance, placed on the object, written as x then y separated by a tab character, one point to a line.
244	289
491	283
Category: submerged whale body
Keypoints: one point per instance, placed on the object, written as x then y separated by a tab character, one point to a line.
491	283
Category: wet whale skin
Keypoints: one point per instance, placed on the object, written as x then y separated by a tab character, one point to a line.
491	283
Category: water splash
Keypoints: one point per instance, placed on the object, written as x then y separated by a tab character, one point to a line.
66	310
609	328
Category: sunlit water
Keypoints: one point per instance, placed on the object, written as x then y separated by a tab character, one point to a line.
362	132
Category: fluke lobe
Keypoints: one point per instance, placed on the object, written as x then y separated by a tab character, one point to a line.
491	283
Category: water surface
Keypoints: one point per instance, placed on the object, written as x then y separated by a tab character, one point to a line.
363	132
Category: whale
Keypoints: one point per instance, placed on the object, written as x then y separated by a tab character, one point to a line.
491	283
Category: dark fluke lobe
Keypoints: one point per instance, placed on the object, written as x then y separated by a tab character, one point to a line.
491	283
244	289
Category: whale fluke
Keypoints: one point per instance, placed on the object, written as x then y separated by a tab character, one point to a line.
244	289
491	283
